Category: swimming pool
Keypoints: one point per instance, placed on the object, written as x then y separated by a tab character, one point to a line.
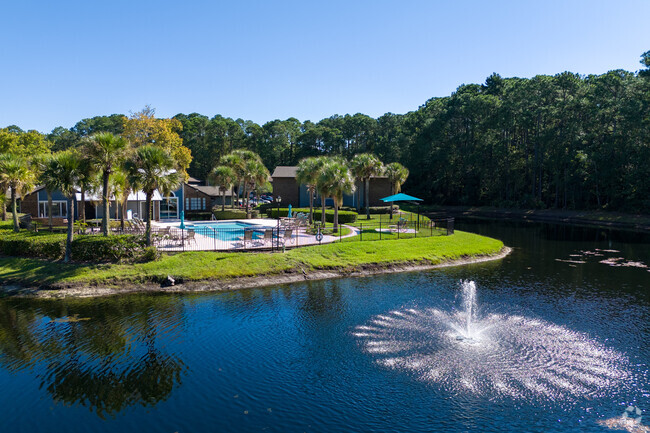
226	231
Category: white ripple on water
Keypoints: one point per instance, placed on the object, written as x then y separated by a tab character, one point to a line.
505	356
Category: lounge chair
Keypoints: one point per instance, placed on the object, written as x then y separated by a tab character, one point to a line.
247	239
161	235
288	236
287	223
268	237
189	237
302	220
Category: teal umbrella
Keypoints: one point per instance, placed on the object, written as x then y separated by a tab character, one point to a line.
400	197
403	197
289	211
182	220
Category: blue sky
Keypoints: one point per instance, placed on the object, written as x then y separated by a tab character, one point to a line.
262	60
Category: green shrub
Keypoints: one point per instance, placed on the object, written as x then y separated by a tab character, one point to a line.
116	248
85	248
198	216
28	244
345	217
234	214
381	210
264	207
149	254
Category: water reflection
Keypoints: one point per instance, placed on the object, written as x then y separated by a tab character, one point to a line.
104	354
323	301
285	358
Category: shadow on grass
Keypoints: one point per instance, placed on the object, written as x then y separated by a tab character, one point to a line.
23	270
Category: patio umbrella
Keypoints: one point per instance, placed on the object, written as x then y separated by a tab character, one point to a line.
400	197
182	220
403	197
289	211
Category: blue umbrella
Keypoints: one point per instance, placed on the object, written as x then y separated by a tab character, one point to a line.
182	220
289	211
400	197
403	197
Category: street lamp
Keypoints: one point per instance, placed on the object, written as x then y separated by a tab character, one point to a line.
278	199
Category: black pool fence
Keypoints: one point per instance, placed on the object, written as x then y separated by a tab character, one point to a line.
281	235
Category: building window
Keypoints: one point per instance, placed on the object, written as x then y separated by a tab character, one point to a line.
169	207
59	209
196	203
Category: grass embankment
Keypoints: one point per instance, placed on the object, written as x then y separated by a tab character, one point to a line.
204	265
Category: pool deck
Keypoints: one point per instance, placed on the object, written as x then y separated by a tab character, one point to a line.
202	242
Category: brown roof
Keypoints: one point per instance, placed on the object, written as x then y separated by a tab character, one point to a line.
194	181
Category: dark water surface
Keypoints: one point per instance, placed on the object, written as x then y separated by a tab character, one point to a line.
296	358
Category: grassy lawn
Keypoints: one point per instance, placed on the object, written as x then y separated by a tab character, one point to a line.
206	265
377	227
343	231
372	234
385	219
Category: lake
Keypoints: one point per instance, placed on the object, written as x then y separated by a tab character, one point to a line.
558	341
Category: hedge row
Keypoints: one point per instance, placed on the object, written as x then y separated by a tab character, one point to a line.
116	248
377	210
345	217
28	244
198	216
96	248
234	214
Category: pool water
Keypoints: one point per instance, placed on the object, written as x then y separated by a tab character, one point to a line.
227	231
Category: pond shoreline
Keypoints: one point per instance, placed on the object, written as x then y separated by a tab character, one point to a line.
229	284
630	222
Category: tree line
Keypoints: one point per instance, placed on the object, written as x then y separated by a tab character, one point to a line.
564	141
332	177
148	156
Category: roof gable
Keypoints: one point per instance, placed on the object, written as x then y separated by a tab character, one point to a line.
285	171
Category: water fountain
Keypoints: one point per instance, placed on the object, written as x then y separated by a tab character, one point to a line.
495	355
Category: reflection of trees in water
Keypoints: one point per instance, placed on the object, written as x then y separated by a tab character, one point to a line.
317	299
324	299
105	354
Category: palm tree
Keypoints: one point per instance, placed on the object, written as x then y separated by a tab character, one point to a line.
255	174
87	182
18	176
335	179
364	166
67	165
120	188
48	178
238	161
307	174
3	201
397	175
321	186
151	168
106	151
224	177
